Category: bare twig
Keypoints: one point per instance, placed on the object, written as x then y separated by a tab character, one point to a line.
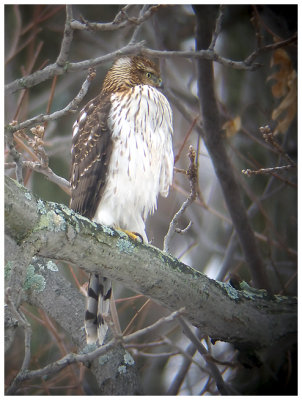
217	27
121	21
70	108
41	163
185	354
17	157
154	355
122	14
135	316
277	149
145	345
67	38
28	71
205	55
87	357
222	386
27	337
256	22
142	13
268	48
176	158
184	230
267	171
192	174
269	137
17	33
48	172
182	371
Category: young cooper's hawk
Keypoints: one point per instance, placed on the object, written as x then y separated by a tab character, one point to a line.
122	158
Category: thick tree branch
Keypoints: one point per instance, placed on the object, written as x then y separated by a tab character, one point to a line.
246	317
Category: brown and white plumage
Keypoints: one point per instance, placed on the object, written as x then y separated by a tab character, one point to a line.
122	158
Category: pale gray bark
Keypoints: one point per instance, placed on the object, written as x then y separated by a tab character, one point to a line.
246	317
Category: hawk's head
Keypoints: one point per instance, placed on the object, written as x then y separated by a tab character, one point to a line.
130	71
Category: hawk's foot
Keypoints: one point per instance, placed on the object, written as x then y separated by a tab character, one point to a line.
132	235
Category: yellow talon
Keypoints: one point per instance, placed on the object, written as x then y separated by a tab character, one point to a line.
132	235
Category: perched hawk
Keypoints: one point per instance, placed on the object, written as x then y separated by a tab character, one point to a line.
122	158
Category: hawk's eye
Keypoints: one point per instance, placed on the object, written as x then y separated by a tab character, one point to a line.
148	74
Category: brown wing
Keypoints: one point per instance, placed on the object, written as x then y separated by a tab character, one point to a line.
91	151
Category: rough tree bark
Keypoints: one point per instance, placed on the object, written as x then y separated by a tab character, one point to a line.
247	317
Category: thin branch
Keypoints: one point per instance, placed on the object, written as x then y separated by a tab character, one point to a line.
153	355
177	157
184	230
67	38
42	165
222	386
51	96
186	112
268	48
122	14
136	315
17	34
44	16
202	54
269	137
122	20
217	27
143	11
182	371
192	174
87	357
183	352
145	345
255	20
16	156
70	108
48	172
27	337
267	171
227	220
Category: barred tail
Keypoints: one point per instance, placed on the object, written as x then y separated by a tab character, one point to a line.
98	302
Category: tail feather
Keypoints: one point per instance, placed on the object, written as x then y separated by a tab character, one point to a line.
98	302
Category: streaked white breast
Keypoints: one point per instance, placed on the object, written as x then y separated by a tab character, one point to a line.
141	164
